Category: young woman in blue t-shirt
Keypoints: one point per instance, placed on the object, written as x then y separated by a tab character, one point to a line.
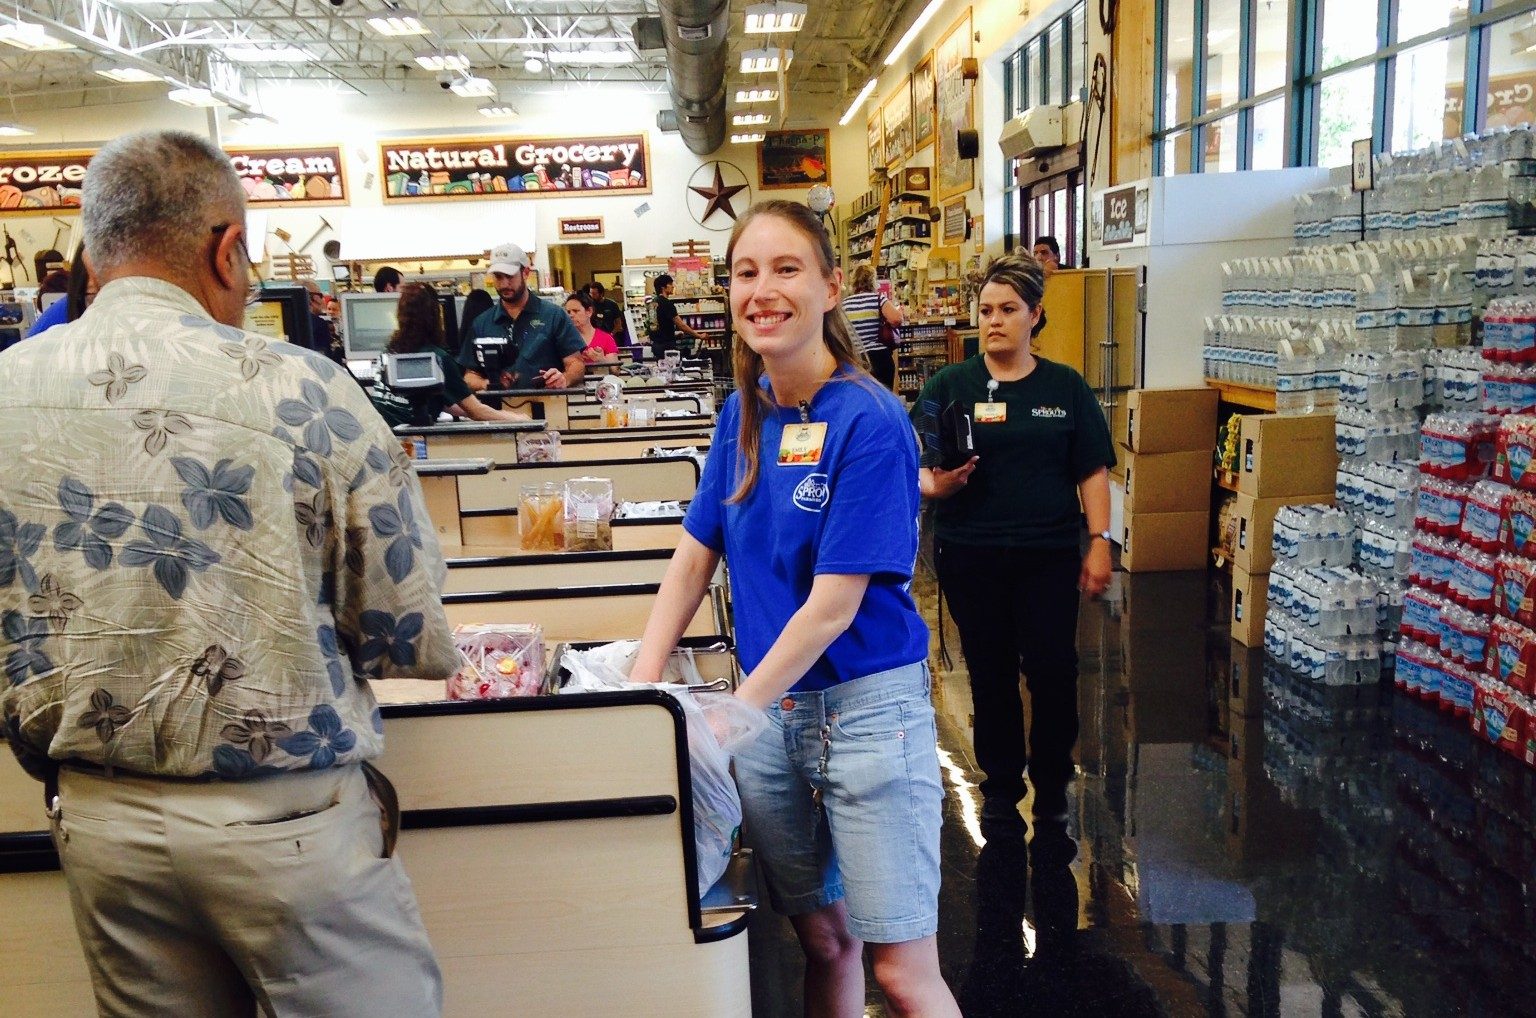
811	495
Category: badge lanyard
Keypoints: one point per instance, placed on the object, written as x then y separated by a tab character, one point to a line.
991	412
801	444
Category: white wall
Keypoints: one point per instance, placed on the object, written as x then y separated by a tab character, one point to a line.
356	123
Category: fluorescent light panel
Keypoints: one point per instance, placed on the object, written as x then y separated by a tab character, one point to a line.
265	54
398	23
252	118
748	96
764	61
497	110
441	60
749	119
745	139
911	33
200	97
781	16
474	88
15	130
128	75
32	38
858	101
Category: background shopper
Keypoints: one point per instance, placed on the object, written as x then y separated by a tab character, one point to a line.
543	344
1008	532
600	344
668	323
842	790
606	314
865	309
232	553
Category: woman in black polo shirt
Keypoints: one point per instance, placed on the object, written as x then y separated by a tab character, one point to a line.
1008	537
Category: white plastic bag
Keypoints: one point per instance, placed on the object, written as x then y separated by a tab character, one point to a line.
608	667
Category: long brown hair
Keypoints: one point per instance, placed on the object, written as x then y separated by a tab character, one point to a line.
419	320
836	333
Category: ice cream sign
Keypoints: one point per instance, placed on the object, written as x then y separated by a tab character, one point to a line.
290	176
440	169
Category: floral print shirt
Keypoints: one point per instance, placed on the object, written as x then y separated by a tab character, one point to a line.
209	542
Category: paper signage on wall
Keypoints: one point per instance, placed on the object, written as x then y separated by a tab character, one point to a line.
1119	216
288	176
577	227
41	181
439	170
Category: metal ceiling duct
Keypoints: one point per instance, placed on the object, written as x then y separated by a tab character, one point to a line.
696	51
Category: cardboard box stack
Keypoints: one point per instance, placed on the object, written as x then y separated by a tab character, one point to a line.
1165	454
1282	460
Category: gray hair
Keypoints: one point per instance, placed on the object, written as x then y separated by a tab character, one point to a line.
1020	272
155	196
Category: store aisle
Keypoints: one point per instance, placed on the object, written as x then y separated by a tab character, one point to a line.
1246	845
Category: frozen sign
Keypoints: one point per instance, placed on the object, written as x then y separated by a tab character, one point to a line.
290	176
513	167
41	181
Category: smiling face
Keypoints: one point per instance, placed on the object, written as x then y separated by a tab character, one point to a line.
780	292
580	316
1005	319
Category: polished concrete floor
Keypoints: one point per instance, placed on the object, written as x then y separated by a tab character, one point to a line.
1246	844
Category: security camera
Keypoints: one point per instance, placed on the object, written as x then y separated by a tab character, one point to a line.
445	80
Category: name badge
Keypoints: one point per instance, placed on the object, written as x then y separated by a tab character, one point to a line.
991	413
801	444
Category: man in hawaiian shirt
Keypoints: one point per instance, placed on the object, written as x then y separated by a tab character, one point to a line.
209	543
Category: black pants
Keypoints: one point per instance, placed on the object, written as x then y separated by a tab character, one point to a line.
882	364
1016	610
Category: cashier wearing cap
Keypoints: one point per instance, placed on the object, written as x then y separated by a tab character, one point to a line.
548	347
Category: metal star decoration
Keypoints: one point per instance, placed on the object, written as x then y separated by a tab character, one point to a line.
718	197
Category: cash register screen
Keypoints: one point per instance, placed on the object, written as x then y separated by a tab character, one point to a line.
414	368
367	322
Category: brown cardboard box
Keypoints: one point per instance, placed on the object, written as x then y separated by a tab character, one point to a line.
1164	542
1245	694
1120	424
1249	594
1167	482
1253	550
1286	454
1170	420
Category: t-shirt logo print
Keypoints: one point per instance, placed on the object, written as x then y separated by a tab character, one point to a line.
1049	411
812	493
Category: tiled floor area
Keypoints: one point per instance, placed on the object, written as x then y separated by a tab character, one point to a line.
1246	845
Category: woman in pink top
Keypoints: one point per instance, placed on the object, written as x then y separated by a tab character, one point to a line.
600	344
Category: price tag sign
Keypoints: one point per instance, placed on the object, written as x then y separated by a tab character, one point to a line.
1362	167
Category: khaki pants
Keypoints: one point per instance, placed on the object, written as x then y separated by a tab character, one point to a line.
227	899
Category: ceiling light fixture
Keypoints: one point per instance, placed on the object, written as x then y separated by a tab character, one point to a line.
32	38
15	130
128	75
533	65
749	119
746	139
588	56
251	118
397	23
778	16
265	54
474	88
858	101
747	96
194	96
442	60
497	110
764	61
911	33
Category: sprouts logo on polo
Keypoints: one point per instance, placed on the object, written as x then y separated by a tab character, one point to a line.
1054	412
812	493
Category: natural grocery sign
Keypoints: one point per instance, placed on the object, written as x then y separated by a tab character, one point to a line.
290	176
41	181
439	170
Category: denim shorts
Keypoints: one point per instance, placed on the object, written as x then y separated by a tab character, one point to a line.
870	747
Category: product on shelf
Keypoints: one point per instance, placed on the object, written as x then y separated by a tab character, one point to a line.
497	661
540	512
588	514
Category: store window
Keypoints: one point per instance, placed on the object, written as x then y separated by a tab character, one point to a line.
1344	114
1349	31
1178	63
1221	145
1271	45
1077	72
1222	56
1511	90
1423	80
1269	135
1055	62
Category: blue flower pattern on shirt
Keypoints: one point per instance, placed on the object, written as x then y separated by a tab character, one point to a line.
386	636
331	648
18	543
88	529
216	494
314	413
397	521
325	741
27	634
171	555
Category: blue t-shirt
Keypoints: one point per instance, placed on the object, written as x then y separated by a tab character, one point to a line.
852	513
56	313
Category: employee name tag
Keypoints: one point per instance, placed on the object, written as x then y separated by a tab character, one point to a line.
801	444
991	413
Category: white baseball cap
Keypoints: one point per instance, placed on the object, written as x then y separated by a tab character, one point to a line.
509	259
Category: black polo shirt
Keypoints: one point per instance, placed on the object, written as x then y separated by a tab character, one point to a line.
543	335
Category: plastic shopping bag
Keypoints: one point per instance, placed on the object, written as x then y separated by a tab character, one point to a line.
718	723
608	667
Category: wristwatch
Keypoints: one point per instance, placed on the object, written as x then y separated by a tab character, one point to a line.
1105	534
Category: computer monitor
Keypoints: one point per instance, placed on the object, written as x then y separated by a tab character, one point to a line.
367	322
282	312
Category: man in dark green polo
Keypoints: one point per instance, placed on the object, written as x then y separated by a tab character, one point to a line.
544	346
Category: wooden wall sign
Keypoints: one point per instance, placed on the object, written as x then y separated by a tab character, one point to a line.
580	227
42	181
469	168
284	177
